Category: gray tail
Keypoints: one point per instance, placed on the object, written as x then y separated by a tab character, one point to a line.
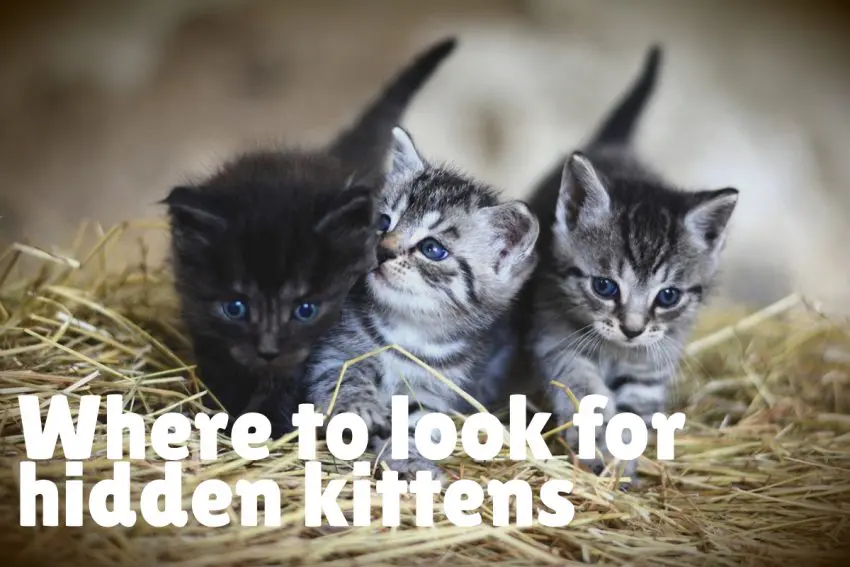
365	144
619	125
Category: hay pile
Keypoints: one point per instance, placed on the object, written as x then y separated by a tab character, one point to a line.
761	474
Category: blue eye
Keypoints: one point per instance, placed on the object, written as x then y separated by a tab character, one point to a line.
432	249
603	287
384	222
668	297
235	310
305	312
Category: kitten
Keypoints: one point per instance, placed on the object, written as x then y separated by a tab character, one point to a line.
266	250
626	262
451	259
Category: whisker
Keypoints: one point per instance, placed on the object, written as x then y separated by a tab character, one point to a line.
574	333
579	343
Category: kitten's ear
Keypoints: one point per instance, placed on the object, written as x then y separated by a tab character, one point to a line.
708	219
192	213
405	158
516	230
351	210
582	199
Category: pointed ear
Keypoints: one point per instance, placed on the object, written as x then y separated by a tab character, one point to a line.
582	199
192	213
405	159
516	229
351	210
708	219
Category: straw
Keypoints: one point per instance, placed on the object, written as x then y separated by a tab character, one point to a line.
760	475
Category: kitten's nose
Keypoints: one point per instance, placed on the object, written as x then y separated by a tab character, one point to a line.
630	333
385	254
267	349
267	355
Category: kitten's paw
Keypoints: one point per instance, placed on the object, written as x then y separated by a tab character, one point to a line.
596	466
407	468
604	458
626	471
375	415
570	434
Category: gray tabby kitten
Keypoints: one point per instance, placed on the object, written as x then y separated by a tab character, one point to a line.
452	258
626	262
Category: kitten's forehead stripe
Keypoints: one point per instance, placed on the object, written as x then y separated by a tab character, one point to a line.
438	190
648	238
451	231
671	236
397	202
432	219
625	236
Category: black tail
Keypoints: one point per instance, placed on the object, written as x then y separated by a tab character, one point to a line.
365	144
619	126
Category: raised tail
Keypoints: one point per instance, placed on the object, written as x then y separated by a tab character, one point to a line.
619	125
363	147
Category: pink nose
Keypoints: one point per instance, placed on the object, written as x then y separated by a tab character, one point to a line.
390	241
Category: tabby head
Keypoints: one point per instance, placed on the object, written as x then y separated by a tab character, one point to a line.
449	251
633	257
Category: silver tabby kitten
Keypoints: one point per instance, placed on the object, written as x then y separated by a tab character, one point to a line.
626	261
452	258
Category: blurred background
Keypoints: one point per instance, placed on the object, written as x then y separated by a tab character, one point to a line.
105	105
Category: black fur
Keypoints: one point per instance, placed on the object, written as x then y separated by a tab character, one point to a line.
275	229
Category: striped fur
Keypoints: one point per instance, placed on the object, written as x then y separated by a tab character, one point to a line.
442	312
609	216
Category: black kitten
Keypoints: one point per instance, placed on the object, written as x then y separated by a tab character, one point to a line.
267	249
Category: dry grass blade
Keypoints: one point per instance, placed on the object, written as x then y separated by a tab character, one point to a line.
760	477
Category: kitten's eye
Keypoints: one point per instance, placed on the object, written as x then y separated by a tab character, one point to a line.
668	297
432	249
604	287
235	310
306	312
384	222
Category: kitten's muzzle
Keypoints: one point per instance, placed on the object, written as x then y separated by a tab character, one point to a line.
631	333
268	355
283	359
385	254
389	248
267	348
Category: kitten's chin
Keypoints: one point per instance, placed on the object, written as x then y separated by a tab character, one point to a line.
283	363
636	343
399	300
381	286
612	335
288	360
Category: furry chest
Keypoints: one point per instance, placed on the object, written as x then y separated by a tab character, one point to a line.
401	376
